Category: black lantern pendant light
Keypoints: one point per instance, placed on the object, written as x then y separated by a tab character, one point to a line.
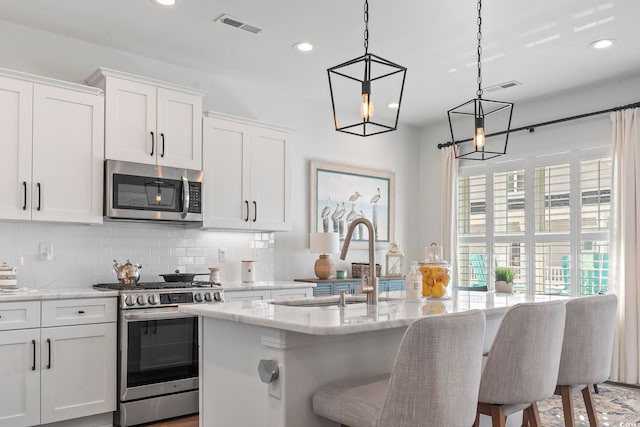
487	118
360	81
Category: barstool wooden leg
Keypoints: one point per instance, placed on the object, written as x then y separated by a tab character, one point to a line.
567	405
534	416
498	418
590	407
476	423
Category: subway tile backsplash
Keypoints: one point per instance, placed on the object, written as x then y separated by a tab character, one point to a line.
83	254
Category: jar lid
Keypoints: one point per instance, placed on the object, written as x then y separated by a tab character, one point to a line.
6	267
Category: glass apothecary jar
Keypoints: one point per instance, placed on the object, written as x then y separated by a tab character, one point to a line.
436	274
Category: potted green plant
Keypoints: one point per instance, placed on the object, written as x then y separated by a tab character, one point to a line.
504	279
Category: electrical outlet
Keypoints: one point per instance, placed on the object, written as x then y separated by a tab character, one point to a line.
222	254
45	249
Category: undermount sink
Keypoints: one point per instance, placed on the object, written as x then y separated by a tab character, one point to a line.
326	301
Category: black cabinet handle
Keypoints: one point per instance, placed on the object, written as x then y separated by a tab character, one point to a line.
246	202
80	311
162	136
155	327
49	360
39	196
146	328
33	367
153	142
24	188
255	211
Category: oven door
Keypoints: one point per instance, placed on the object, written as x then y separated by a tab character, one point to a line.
158	352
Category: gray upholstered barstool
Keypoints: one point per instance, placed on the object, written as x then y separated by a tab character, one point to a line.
586	351
522	365
434	381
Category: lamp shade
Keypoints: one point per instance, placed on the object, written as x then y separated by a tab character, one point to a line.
324	243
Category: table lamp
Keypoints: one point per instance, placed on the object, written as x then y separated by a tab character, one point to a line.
324	244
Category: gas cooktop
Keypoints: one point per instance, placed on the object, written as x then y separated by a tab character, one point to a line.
141	286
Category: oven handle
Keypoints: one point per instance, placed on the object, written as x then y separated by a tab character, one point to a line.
156	315
185	197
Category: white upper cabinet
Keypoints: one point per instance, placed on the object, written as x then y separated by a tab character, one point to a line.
15	148
52	149
148	121
246	174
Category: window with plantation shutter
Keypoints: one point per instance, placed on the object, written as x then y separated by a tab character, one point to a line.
547	219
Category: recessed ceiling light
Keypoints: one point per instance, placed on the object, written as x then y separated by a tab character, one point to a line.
394	105
303	47
602	44
166	2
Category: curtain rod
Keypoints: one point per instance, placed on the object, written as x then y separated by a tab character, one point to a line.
531	128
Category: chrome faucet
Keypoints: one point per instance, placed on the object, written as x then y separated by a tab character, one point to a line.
372	284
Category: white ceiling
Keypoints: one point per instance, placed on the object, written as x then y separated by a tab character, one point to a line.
543	44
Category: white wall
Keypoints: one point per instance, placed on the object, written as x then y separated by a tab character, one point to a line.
313	137
574	135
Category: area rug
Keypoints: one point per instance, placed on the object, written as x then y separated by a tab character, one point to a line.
616	406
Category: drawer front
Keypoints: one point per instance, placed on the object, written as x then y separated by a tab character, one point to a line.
291	293
349	287
78	311
19	315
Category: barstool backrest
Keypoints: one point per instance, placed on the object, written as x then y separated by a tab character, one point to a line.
588	340
437	371
522	365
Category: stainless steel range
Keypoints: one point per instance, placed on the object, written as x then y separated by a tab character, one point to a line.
158	349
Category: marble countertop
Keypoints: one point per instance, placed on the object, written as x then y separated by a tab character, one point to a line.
356	318
265	285
29	294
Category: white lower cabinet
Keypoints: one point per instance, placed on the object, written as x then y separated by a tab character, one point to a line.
20	373
52	374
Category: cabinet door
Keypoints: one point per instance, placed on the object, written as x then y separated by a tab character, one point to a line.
226	174
20	373
269	181
15	148
322	289
179	129
68	144
130	115
78	371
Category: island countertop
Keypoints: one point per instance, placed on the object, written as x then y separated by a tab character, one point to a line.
356	318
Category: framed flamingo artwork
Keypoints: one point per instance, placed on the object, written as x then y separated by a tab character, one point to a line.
341	193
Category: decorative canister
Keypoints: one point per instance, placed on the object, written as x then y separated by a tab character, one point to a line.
214	274
436	273
248	271
8	276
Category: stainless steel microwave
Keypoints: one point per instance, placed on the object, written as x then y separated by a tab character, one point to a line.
152	192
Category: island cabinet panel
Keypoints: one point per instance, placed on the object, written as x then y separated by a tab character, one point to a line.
232	296
246	172
232	393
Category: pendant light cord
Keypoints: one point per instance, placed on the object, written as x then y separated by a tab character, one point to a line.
366	27
479	92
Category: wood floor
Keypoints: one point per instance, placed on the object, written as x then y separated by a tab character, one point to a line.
190	421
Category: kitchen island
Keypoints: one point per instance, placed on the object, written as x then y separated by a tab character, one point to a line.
312	346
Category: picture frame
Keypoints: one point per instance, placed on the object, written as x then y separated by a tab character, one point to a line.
339	192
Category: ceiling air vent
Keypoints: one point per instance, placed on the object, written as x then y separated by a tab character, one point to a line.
237	23
505	85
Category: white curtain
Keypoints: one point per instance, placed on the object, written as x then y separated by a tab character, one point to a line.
449	236
625	243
